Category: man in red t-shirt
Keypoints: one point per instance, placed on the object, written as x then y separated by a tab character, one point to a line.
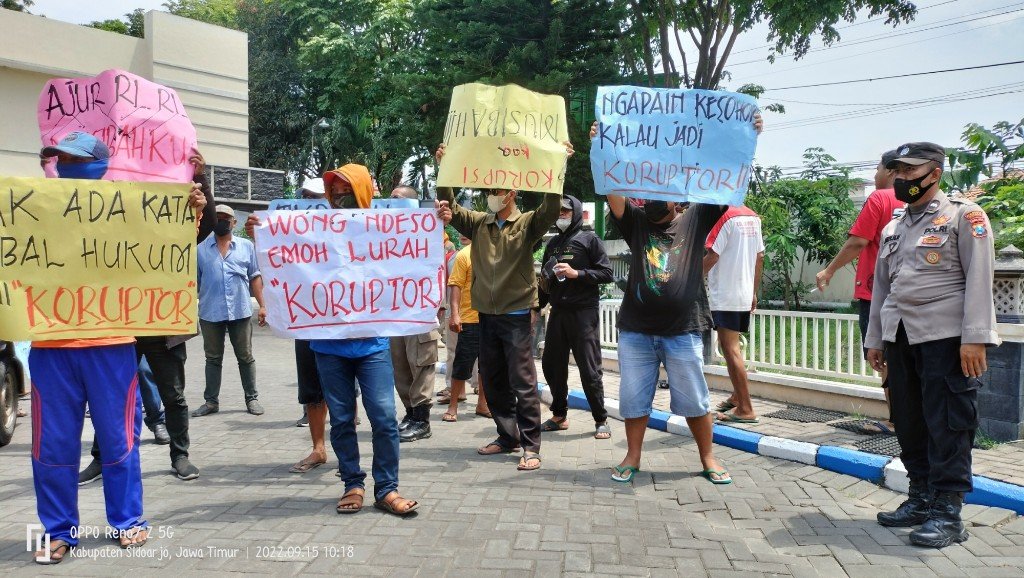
879	209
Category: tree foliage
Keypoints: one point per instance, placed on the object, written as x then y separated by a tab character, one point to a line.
803	219
133	24
702	33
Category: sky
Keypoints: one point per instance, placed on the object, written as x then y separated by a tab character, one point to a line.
868	118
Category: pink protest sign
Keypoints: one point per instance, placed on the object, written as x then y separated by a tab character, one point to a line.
144	124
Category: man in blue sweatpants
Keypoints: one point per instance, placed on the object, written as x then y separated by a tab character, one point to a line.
66	374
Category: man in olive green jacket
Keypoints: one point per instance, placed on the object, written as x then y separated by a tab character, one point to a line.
505	294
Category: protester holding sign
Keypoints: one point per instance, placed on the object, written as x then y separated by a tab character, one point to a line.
67	374
505	295
342	360
664	312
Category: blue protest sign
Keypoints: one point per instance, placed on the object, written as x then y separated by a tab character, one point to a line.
395	203
673	144
298	204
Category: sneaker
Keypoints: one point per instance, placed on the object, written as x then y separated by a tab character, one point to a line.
184	469
205	409
161	435
91	473
254	407
303	421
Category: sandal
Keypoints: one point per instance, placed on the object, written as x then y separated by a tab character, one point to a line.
389	505
62	548
524	462
304	466
450	417
724	406
486	414
353	497
494	448
721	480
624	474
448	399
552	425
127	538
602	432
733	418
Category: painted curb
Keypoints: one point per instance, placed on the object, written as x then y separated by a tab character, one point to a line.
792	450
882	470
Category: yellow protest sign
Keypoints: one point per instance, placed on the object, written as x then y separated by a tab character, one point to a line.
504	137
82	258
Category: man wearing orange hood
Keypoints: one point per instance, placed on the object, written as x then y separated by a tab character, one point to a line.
341	362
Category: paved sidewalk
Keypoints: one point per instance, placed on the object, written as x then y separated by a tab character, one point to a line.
481	517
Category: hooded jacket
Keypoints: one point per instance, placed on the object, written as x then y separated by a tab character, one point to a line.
585	253
358	176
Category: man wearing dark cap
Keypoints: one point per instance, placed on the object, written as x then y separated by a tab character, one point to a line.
932	316
575	264
879	209
69	373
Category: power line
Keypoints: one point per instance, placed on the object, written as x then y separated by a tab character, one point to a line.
905	32
862	22
875	52
897	76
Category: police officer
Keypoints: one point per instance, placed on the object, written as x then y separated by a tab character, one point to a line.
932	316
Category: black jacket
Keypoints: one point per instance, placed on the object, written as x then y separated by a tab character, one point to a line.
585	253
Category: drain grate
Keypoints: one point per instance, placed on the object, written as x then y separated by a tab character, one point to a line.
806	414
859	426
881	444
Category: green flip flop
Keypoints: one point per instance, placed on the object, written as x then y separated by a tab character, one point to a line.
624	474
718	482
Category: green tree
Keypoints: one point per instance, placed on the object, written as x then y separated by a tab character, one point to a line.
133	24
219	12
802	219
702	33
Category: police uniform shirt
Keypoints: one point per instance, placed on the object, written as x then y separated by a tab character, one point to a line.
934	273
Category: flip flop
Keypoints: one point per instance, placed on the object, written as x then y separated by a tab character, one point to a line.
62	547
304	466
523	461
498	449
724	406
877	427
602	432
449	417
552	425
624	474
733	418
486	414
720	481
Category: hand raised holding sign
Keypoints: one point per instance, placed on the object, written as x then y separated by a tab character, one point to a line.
444	212
198	164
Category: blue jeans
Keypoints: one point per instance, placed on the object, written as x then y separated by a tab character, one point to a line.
150	396
640	356
376	380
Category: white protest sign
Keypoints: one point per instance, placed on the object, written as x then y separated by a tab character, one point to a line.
344	274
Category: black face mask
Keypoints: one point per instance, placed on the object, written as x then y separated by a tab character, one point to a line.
222	228
910	191
656	210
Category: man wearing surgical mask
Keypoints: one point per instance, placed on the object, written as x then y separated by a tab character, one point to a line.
575	265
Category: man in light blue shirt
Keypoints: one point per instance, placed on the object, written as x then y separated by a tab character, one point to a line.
228	273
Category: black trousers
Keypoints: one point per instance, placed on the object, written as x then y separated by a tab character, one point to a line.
935	410
168	367
510	379
577	331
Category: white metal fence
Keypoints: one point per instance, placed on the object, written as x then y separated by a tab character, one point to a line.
792	342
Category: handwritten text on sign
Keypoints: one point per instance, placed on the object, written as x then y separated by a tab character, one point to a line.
341	274
673	144
504	137
82	258
144	124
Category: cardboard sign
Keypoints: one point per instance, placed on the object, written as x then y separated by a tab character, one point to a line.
673	144
344	274
144	124
504	137
81	259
